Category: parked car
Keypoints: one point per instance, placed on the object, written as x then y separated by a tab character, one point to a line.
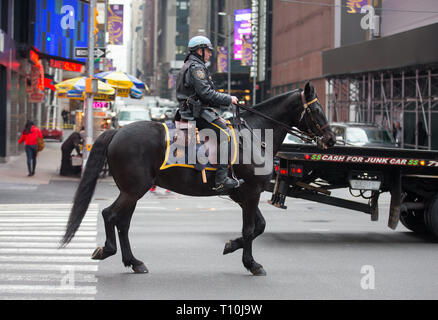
158	114
362	135
130	114
56	134
291	139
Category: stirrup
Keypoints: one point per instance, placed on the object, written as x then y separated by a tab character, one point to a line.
221	187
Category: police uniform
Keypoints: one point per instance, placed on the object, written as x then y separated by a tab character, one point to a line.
197	98
195	86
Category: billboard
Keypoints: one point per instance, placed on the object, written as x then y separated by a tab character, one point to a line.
222	59
60	26
115	24
242	27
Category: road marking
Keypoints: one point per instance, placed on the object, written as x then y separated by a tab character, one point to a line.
45	277
30	238
90	245
44	233
35	289
32	264
66	259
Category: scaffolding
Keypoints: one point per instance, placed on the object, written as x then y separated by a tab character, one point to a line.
408	96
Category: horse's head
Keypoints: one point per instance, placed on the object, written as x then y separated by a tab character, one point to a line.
313	119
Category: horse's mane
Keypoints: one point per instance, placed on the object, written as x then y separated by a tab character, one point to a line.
266	105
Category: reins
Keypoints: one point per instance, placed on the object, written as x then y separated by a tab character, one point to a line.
307	137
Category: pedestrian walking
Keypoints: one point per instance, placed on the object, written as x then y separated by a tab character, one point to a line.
30	137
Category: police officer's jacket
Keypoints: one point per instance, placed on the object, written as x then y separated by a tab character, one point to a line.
194	81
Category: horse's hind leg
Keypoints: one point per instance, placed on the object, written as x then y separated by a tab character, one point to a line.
110	247
124	215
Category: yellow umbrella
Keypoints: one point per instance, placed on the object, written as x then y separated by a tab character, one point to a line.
75	89
125	83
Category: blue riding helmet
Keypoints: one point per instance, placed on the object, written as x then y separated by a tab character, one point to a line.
199	42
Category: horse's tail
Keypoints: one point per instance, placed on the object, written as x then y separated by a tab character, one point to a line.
85	191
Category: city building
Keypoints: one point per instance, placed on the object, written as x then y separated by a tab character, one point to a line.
390	76
37	42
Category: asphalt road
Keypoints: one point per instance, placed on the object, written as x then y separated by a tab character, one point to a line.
310	250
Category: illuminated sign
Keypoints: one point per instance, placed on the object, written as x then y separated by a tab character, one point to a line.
60	26
65	65
242	27
354	6
372	160
100	105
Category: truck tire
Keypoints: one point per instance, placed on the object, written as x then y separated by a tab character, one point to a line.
414	221
431	217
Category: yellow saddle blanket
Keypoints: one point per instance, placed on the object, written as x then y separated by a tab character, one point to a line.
177	152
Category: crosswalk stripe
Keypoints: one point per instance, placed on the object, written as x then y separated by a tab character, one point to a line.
48	267
33	266
46	277
45	289
44	245
45	205
46	238
41	219
30	297
47	233
46	251
65	259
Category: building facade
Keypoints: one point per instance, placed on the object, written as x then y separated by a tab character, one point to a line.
392	75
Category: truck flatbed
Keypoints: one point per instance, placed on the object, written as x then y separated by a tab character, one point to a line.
307	172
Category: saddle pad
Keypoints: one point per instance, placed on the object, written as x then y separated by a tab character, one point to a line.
180	153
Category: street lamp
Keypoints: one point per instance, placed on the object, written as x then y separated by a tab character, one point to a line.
229	49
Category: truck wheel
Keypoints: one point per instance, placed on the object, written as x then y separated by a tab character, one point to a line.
431	217
414	221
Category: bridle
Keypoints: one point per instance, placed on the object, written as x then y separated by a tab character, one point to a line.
306	106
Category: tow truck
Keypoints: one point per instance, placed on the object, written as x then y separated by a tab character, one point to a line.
410	176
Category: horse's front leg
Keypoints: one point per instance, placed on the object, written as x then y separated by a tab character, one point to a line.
233	245
249	217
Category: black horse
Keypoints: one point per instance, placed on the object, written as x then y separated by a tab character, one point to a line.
136	152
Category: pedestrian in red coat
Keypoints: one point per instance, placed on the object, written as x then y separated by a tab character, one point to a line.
29	136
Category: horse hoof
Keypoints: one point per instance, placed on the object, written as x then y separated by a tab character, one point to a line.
228	247
140	269
97	254
258	271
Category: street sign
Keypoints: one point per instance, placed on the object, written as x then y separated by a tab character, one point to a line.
83	52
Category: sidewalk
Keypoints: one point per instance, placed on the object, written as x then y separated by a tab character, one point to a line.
47	168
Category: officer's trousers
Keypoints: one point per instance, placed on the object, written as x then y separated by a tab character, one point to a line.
223	138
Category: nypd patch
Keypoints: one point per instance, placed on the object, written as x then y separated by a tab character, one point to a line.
200	74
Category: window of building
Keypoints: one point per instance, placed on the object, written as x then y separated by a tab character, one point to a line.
4	16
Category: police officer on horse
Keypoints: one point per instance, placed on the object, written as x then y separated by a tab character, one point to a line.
197	96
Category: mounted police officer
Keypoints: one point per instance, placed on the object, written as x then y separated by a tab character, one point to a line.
197	96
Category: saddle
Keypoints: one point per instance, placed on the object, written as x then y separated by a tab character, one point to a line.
185	148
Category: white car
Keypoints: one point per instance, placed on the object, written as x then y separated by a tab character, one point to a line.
132	114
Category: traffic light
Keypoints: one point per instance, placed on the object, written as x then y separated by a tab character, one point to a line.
96	13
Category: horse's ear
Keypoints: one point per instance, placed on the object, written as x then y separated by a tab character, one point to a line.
309	90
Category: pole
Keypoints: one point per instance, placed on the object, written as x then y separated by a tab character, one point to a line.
89	96
229	54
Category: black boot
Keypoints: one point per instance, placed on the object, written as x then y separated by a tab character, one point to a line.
223	182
